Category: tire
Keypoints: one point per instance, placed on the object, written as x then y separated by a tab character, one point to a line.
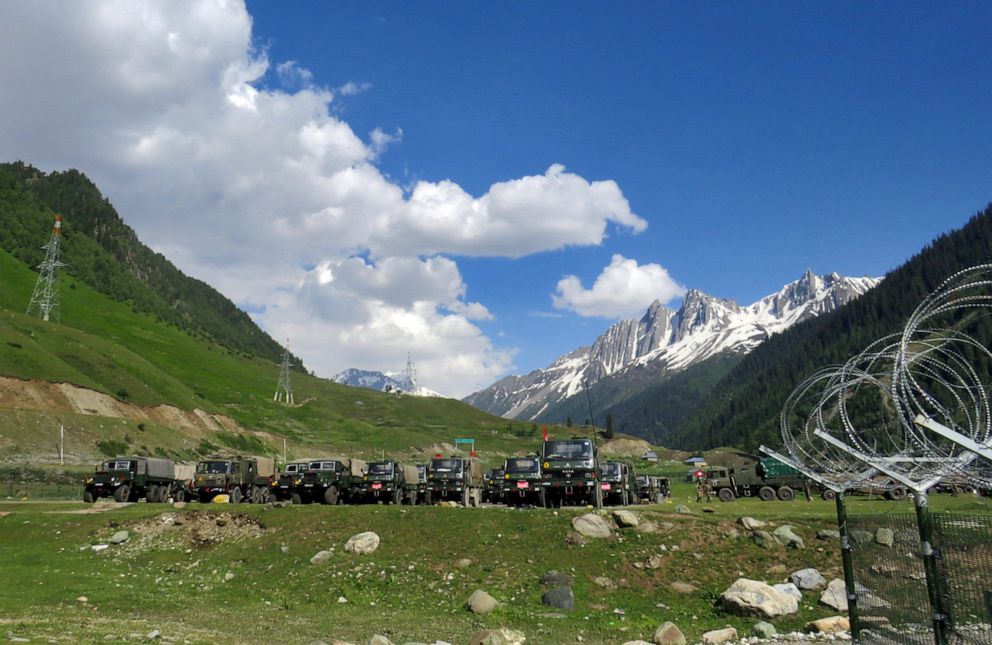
660	498
828	495
477	498
264	495
786	494
180	495
766	493
726	495
542	498
411	498
88	496
898	494
237	496
122	493
331	495
297	499
465	496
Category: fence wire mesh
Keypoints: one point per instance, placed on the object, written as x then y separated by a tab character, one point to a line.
964	567
893	604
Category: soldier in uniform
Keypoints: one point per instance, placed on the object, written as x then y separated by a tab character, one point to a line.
699	490
806	491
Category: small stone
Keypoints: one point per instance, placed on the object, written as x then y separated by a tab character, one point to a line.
827	534
228	576
342	600
750	523
682	587
379	639
153	635
885	536
626	519
592	526
178	504
502	636
574	538
321	557
764	539
732	534
481	602
682	509
763	629
82	599
362	543
604	582
646	528
719	636
557	579
120	537
654	562
637	642
463	563
808	579
100	547
829	625
559	598
283	549
669	634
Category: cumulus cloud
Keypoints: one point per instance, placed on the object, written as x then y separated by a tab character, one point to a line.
166	107
622	289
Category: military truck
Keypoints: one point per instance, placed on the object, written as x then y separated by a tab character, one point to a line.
128	479
456	479
522	476
237	476
185	482
329	481
389	482
421	483
282	486
570	473
492	490
652	490
618	482
766	478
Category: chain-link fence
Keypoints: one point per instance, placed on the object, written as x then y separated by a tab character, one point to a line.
893	604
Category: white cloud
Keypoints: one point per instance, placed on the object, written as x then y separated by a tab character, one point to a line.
622	289
164	105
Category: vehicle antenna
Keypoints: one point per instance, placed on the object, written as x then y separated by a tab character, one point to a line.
45	297
592	420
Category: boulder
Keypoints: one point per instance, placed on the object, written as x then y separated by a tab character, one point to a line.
379	639
120	537
753	597
829	625
557	579
646	527
807	579
683	509
751	524
862	537
827	534
604	582
682	587
835	595
178	504
732	534
502	636
720	636
785	536
669	634
463	563
362	543
789	589
559	598
626	519
764	539
481	602
321	557
592	526
763	629
885	536
575	538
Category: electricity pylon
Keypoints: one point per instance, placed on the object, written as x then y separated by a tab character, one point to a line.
45	298
284	389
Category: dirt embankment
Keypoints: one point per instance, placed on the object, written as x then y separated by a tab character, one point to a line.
17	394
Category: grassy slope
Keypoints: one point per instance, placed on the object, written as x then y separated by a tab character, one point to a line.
170	583
105	346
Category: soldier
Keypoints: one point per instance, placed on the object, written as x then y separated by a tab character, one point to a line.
708	490
699	490
806	491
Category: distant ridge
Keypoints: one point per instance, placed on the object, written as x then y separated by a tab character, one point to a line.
383	382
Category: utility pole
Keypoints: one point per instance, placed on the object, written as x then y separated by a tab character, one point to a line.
284	389
45	298
592	420
61	441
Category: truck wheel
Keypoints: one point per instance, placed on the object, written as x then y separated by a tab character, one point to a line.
766	493
331	495
786	494
726	495
898	493
411	498
264	495
122	493
828	495
297	499
465	498
180	495
542	498
88	496
236	495
428	498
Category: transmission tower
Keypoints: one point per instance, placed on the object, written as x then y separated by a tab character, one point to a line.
45	298
411	373
284	390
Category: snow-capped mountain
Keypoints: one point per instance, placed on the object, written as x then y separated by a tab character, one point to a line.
665	341
391	381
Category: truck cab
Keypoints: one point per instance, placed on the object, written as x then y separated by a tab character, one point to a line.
383	481
522	476
618	483
128	479
454	478
570	473
282	486
322	481
493	489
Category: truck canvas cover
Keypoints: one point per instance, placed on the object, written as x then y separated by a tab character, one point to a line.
184	472
155	467
775	468
357	466
410	475
266	466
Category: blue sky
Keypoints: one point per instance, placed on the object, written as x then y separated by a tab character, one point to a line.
754	141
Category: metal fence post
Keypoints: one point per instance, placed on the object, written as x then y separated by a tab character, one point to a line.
921	502
848	563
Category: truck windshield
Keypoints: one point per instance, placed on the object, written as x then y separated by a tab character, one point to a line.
121	464
521	465
295	468
214	467
611	469
421	473
642	480
324	465
575	449
381	468
445	466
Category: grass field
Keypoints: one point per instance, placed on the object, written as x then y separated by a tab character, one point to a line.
176	578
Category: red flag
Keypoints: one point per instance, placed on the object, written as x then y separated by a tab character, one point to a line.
472	453
545	433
